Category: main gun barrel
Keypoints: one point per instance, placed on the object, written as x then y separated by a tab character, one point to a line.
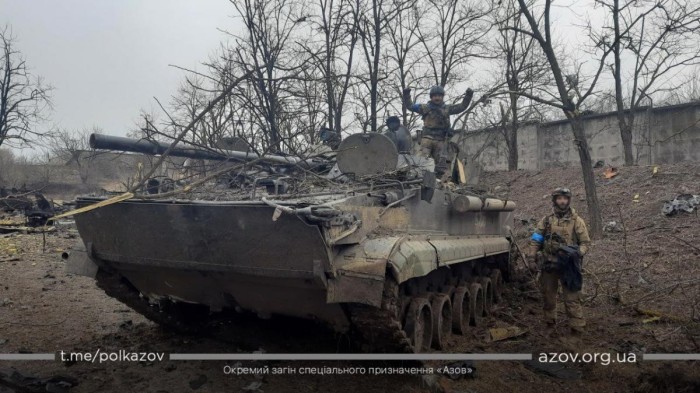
145	146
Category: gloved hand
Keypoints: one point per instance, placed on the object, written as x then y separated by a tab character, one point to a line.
469	94
467	97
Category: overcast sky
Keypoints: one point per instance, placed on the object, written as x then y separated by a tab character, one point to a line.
107	59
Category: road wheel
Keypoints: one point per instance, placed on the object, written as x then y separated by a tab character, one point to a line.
419	324
442	320
476	299
461	310
487	290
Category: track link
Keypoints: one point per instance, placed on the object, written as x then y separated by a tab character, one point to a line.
381	328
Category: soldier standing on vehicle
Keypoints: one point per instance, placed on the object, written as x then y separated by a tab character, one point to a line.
436	123
558	246
398	134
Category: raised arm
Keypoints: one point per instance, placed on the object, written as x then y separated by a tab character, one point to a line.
462	106
408	103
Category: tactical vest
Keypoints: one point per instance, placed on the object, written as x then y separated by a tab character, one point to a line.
565	227
436	120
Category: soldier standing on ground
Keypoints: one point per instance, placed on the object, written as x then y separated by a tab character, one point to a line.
558	246
398	134
436	123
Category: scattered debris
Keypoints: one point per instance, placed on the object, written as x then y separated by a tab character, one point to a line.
16	382
658	315
37	211
610	172
38	218
652	319
26	230
556	370
498	334
613	226
13	203
682	203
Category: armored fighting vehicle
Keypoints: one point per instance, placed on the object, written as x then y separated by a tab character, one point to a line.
363	239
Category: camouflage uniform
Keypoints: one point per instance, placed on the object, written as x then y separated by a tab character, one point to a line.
572	230
436	123
330	140
399	135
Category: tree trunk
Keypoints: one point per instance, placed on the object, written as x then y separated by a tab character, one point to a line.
596	226
570	109
626	135
625	127
513	130
512	147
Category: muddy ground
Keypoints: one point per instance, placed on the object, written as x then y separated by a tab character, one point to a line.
641	291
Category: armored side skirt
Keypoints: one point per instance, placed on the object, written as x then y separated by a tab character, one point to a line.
218	254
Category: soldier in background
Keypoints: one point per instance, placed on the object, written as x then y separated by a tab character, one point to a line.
436	123
398	134
330	140
558	246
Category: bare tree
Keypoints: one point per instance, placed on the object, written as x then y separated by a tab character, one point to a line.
658	38
688	89
408	62
374	18
454	34
24	98
73	147
523	71
569	98
145	126
267	49
334	56
191	98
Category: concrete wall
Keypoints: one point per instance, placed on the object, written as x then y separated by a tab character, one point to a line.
660	136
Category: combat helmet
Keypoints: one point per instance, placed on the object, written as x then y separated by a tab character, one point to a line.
561	191
437	90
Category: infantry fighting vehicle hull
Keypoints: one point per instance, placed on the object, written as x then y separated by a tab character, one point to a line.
403	264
